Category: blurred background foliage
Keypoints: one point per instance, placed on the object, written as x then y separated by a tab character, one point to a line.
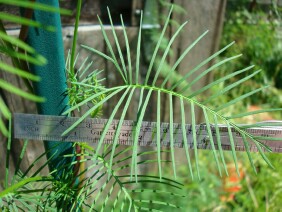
247	192
257	30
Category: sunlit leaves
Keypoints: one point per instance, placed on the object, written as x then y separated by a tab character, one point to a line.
104	182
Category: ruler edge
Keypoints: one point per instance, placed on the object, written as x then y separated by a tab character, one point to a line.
60	139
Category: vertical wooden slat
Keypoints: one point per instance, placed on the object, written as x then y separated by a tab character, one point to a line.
202	15
137	6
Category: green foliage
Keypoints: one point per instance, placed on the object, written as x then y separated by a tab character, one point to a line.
264	189
77	91
101	188
258	191
257	35
110	177
105	183
146	88
153	35
200	194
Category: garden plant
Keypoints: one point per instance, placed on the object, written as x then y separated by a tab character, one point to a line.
108	177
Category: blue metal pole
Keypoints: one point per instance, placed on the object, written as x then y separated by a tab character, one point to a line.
53	79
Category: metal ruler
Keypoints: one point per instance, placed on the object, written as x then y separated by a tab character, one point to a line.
50	128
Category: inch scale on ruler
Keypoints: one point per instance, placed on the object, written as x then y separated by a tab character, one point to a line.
50	128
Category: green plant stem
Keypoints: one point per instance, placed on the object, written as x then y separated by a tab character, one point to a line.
8	153
74	41
72	71
251	191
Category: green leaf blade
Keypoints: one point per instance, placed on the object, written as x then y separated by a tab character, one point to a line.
222	79
210	138
205	72
231	139
118	46
254	113
24	21
171	136
19	72
194	131
138	50
37	6
157	48
240	98
136	136
119	125
160	65
187	50
109	121
184	137
11	88
158	138
229	87
218	139
90	111
186	76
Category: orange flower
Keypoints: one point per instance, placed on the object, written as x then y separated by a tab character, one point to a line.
232	183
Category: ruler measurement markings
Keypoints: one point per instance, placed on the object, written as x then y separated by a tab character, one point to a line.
41	126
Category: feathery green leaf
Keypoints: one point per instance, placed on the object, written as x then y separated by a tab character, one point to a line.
194	134
229	87
254	112
106	127
186	76
138	50
195	93
158	138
